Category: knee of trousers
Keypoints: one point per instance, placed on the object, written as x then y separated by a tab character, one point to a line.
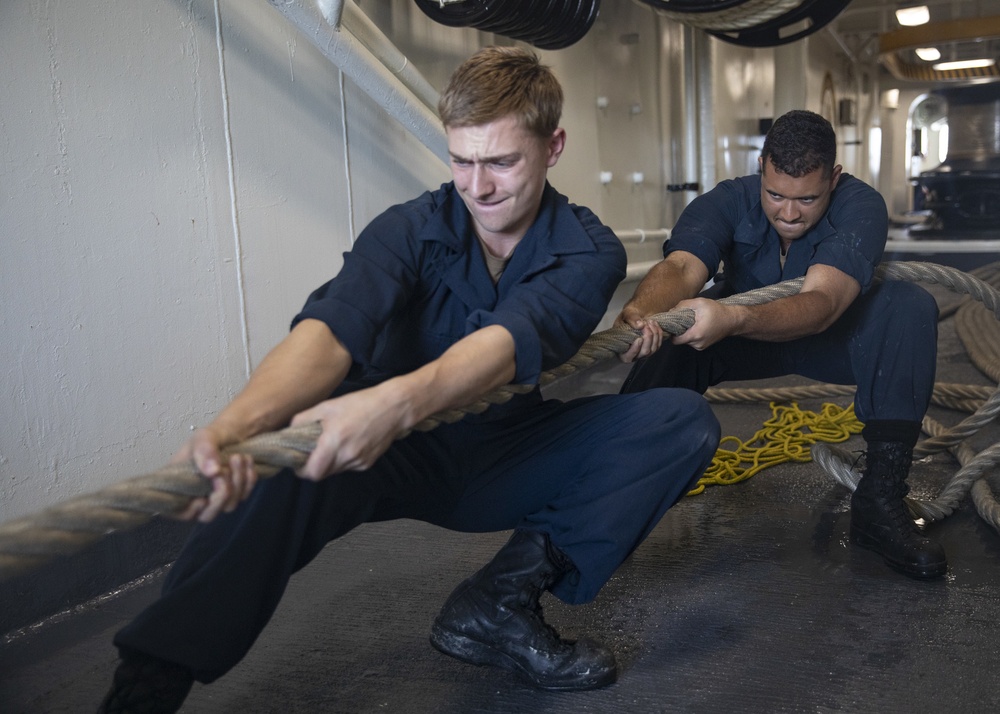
683	418
898	299
903	318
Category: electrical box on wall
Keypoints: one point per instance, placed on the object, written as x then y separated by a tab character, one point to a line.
847	112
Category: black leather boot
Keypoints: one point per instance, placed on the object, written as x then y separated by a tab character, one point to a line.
494	618
146	685
880	520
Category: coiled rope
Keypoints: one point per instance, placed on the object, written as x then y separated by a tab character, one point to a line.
788	435
750	13
979	335
68	527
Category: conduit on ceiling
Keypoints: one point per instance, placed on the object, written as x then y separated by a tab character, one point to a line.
752	23
891	44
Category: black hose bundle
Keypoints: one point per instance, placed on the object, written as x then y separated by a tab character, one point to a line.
548	24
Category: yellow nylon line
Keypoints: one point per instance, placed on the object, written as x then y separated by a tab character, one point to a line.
787	436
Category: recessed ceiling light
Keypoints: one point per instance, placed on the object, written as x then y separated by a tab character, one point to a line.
964	64
910	16
928	54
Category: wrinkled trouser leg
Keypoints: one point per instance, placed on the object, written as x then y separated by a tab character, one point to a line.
885	343
604	471
591	473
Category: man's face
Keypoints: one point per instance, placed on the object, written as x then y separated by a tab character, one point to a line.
795	205
499	170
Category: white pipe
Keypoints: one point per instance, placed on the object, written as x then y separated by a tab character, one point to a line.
943	246
636	271
894	243
364	68
704	52
900	240
692	138
638	235
361	26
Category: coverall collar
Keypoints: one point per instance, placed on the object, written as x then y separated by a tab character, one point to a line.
757	237
554	232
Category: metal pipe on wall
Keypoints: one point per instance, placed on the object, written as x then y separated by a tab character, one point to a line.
399	89
638	235
361	26
704	63
692	142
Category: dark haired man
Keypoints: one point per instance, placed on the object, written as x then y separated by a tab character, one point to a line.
493	278
802	216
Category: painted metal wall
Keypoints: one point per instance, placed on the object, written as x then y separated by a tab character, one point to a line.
176	177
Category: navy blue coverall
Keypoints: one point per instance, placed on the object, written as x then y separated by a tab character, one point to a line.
596	473
885	342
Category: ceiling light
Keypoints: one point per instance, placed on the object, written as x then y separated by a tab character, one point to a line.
911	16
928	54
964	64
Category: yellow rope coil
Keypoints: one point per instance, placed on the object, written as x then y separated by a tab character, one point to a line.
787	436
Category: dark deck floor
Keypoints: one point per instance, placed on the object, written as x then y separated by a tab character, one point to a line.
747	598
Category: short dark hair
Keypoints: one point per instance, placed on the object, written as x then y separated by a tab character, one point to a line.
800	142
499	81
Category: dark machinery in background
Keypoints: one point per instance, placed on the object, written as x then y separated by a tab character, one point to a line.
963	192
555	24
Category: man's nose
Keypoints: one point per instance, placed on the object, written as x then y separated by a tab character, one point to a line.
480	184
788	212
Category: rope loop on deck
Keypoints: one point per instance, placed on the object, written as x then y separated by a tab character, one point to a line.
981	338
68	527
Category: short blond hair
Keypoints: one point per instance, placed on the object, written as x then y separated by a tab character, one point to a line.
500	81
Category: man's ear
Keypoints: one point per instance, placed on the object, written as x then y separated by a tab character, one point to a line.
556	144
835	176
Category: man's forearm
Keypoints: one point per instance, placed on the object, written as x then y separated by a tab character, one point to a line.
781	320
826	293
470	368
668	282
300	371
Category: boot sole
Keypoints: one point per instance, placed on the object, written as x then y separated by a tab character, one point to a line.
931	571
472	651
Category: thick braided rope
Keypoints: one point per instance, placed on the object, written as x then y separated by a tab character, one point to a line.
605	344
961	397
66	528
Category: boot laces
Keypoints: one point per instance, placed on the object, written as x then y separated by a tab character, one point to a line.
899	514
549	632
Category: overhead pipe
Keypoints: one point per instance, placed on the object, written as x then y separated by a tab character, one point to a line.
692	140
347	37
361	26
704	97
638	235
